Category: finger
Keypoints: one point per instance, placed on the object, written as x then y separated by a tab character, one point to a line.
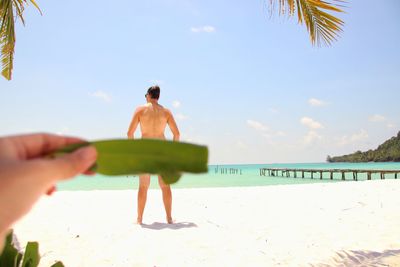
73	163
35	145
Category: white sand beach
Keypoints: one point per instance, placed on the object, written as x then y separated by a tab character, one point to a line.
336	224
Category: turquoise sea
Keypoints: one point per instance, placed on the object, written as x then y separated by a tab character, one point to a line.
247	175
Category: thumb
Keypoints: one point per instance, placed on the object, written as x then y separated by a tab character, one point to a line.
74	163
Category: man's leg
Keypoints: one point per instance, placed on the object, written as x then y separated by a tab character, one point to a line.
144	183
167	198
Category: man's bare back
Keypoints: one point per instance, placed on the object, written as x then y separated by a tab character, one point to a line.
153	119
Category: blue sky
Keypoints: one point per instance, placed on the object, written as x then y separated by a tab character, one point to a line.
249	86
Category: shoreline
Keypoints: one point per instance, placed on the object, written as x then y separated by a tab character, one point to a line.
285	225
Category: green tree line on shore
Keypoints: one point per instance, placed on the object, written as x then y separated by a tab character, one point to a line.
388	151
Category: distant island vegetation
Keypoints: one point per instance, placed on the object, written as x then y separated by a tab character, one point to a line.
386	152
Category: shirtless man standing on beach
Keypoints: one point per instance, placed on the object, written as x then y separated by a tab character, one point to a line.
153	119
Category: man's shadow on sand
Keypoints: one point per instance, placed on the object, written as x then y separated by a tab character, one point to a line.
174	226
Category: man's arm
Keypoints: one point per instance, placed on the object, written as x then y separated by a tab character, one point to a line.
134	123
172	125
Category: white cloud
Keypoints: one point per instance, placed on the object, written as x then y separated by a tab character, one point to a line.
311	137
377	118
316	102
207	29
257	125
181	117
176	104
101	95
310	123
362	135
265	131
391	125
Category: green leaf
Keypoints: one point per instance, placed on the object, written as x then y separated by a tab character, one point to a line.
7	31
170	178
10	257
31	256
321	26
36	5
7	37
58	264
166	158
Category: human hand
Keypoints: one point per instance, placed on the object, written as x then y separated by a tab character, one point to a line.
26	174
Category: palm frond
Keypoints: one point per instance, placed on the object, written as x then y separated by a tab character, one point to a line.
9	11
321	26
36	5
7	38
19	10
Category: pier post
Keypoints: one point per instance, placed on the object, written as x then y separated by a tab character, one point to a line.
320	175
343	176
312	175
369	176
395	175
331	175
382	175
295	174
302	174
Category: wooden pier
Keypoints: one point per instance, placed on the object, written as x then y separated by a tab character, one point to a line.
297	173
227	170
